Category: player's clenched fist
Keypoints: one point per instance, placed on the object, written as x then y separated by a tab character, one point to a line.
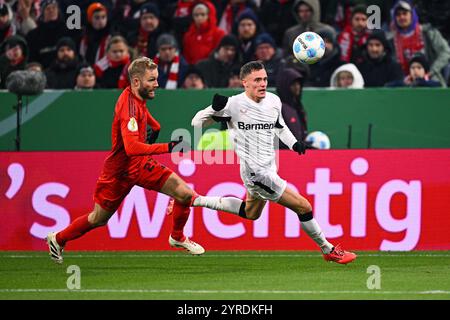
300	147
173	143
219	102
152	136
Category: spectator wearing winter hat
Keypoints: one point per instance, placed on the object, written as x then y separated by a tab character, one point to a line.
217	68
51	27
126	14
410	37
353	38
230	10
85	78
193	79
320	72
267	52
96	34
171	65
418	74
62	73
14	58
247	29
378	67
143	39
307	14
111	67
7	28
347	76
203	35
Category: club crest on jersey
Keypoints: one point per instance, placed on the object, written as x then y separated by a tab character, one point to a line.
132	125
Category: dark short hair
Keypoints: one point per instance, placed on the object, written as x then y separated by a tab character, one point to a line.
249	67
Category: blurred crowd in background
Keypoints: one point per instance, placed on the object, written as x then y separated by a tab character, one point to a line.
202	44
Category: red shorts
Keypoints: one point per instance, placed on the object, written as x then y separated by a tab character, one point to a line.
109	193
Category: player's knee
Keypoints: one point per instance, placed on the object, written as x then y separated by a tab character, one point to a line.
302	207
184	199
305	207
98	219
252	214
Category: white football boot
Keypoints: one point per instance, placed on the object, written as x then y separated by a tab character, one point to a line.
189	245
55	250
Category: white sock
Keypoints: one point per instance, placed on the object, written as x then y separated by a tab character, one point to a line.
312	228
228	204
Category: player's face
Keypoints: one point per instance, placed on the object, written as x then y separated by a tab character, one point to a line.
148	84
255	84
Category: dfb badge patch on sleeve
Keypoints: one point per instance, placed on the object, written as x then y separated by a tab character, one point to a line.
132	125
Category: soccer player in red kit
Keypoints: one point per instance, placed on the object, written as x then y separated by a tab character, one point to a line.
130	163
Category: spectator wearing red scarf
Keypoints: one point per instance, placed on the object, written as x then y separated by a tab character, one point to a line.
150	28
96	34
353	38
203	35
109	69
171	65
232	9
410	37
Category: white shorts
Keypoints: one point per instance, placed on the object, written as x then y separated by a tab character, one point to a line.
266	185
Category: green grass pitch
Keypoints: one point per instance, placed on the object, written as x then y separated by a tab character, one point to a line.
234	275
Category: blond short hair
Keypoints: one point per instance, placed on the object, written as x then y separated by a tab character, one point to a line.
138	66
114	40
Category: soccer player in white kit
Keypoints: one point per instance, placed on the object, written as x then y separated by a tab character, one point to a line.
254	118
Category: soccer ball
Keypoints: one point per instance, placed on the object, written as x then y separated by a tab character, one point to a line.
318	140
308	47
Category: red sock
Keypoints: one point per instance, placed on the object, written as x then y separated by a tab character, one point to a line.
75	230
180	215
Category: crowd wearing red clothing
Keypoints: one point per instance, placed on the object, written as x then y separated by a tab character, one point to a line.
114	32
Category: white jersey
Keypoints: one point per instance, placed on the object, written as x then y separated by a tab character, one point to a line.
252	127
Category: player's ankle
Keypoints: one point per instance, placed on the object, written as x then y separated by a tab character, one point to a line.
59	240
178	237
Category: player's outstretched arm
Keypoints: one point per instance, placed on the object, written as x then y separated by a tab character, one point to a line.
288	138
205	117
133	147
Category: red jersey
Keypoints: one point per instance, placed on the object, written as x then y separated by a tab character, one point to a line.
129	136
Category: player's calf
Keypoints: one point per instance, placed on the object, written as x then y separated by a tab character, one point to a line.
249	212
